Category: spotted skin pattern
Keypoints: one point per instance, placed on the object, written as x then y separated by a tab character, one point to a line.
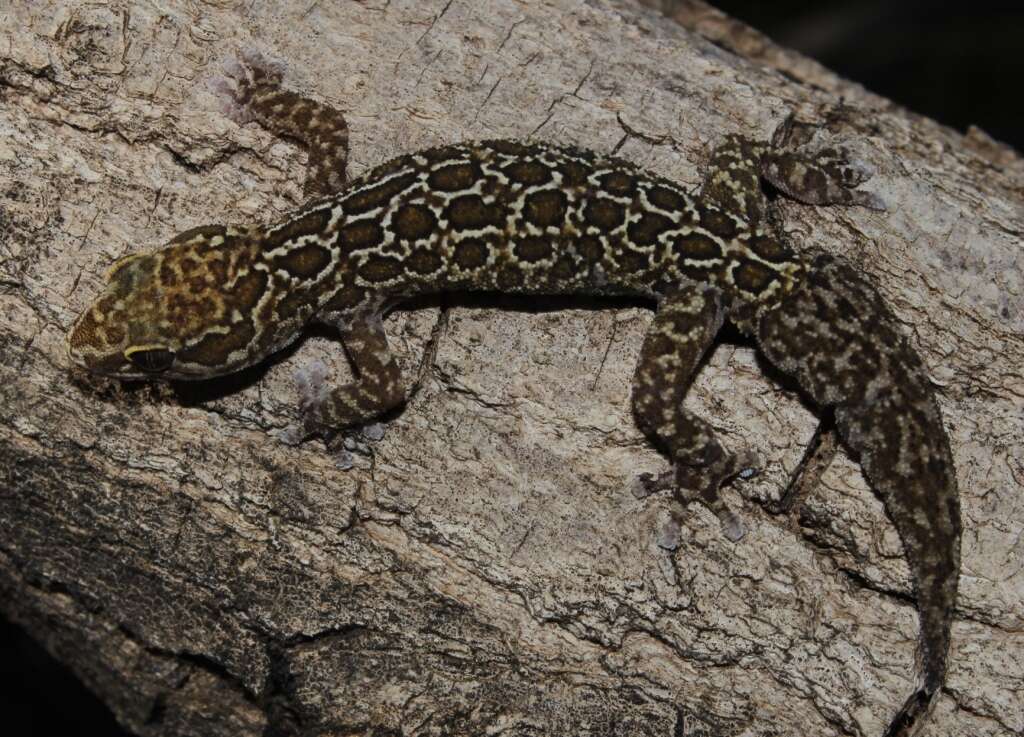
536	218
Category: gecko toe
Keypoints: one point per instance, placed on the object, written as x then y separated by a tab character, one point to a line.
242	78
311	384
869	200
646	484
703	484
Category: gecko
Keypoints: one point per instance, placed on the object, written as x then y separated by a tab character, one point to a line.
535	218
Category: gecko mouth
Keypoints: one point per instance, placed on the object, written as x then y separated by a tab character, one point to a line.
150	360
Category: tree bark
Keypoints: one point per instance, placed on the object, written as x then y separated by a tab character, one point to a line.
483	568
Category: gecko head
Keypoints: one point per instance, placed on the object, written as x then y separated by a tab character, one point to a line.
184	311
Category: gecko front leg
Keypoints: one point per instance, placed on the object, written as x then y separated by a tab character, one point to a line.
378	386
254	92
254	87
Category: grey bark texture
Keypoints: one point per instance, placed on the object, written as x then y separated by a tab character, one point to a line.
483	568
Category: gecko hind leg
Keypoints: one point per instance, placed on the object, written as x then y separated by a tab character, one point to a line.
252	91
684	327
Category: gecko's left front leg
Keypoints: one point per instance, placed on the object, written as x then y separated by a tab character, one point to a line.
253	86
684	327
378	386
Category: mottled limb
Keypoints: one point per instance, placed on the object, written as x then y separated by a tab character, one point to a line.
683	328
253	87
817	176
732	181
378	386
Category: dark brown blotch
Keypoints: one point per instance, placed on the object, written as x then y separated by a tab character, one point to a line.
753	277
632	262
814	181
546	208
470	254
532	250
528	172
510	277
188	264
312	223
618	183
300	116
377	196
360	235
717	222
696	273
412	222
248	289
217	271
346	298
168	276
379	269
441	153
198	283
695	247
666	199
454	177
295	303
423	261
214	349
645	231
565	269
306	262
574	173
184	309
604	214
470	212
770	249
590	249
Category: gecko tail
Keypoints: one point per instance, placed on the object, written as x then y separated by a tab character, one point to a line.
912	715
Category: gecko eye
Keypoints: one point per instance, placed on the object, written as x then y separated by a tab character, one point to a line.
150	360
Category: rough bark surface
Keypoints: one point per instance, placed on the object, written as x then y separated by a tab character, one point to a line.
483	568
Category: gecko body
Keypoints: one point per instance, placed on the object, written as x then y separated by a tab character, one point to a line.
536	218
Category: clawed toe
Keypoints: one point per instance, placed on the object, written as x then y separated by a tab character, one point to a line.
646	484
311	384
703	484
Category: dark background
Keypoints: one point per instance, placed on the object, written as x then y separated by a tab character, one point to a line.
960	64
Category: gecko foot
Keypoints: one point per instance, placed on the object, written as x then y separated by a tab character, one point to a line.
311	382
702	484
244	77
